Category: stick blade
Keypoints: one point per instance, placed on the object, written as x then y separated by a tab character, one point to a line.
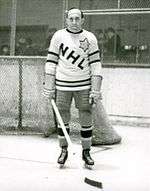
93	183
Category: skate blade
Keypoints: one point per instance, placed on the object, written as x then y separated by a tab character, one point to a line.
87	166
61	166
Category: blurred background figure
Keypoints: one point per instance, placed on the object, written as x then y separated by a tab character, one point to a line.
45	46
26	47
31	48
51	31
101	38
4	50
113	44
21	46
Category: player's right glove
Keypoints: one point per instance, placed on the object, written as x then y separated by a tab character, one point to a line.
49	86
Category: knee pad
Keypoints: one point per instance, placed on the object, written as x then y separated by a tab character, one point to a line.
85	117
82	100
63	102
65	114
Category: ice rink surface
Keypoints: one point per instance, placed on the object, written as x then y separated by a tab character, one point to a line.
29	163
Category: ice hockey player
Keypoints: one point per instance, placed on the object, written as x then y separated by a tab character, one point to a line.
73	71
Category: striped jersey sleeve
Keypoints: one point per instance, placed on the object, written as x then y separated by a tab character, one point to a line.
53	55
94	56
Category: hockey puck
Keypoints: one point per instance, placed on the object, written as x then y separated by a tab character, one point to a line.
93	183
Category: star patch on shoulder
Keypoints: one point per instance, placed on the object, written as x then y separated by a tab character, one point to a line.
84	44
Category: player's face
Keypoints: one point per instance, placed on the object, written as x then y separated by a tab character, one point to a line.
74	22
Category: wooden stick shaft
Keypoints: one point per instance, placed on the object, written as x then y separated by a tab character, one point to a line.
60	121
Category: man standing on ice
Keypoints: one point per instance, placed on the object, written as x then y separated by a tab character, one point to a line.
73	70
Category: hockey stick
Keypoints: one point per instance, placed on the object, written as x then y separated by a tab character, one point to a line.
93	183
60	121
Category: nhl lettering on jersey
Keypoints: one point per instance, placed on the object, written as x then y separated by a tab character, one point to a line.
71	55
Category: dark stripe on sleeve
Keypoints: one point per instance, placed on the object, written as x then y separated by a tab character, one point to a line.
52	61
94	61
53	53
97	51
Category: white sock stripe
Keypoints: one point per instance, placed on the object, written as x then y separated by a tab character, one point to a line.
61	137
86	129
86	139
67	126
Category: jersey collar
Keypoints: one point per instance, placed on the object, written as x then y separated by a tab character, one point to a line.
74	32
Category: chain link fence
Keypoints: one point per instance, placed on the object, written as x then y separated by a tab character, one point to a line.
21	77
122	38
9	93
111	4
122	29
23	107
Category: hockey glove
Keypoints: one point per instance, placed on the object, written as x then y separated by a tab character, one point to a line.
49	86
50	94
94	97
95	93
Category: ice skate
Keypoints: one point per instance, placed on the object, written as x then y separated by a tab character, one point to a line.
89	162
63	157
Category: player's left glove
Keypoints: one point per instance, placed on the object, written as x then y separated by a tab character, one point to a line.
95	93
94	97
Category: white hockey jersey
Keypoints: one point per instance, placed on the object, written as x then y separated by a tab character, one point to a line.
73	58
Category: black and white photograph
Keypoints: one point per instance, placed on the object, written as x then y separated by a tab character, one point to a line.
74	95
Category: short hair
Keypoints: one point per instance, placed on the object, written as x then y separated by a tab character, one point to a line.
110	29
82	15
